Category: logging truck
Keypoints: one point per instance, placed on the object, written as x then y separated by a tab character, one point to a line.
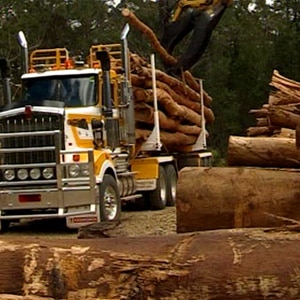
68	147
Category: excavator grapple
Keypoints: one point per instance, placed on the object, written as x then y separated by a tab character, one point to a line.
198	17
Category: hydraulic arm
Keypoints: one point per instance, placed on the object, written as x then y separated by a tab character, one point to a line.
184	16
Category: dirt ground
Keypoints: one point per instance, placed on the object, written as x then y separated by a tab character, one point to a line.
158	222
134	222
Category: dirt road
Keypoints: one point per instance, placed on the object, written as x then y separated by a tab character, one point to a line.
133	222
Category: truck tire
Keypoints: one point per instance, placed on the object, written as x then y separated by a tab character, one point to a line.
110	203
4	225
158	197
171	176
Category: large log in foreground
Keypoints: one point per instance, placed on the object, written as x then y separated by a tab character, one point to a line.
218	198
233	264
274	152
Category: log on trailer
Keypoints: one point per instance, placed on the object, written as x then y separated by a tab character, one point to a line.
227	197
274	152
220	264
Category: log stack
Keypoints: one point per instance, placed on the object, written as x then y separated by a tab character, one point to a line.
179	106
179	99
229	265
272	142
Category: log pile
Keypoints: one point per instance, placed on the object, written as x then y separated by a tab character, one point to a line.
179	99
179	106
272	142
236	197
233	264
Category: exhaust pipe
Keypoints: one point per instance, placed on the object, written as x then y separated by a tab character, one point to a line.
127	89
111	124
5	75
23	44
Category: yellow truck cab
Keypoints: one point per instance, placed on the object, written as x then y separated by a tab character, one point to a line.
67	147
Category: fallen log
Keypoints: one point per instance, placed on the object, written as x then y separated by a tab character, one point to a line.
287	116
285	132
280	98
260	122
259	131
221	264
219	198
288	86
259	113
274	152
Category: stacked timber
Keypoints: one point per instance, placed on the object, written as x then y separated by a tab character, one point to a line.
272	142
179	99
179	106
263	189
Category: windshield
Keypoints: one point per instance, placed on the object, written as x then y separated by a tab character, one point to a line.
72	90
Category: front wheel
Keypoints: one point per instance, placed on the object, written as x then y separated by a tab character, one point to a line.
110	203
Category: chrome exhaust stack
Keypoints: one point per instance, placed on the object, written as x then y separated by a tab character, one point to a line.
23	44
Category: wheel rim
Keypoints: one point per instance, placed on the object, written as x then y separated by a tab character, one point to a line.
110	200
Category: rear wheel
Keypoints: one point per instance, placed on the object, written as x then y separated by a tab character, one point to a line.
171	176
110	203
158	197
4	225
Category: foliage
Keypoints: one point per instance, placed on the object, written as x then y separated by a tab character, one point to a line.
251	41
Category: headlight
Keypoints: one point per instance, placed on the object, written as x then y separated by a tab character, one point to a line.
85	170
9	174
35	173
22	174
74	170
48	173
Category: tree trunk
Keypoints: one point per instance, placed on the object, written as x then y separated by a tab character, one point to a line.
259	131
259	113
286	88
263	152
243	264
215	198
287	116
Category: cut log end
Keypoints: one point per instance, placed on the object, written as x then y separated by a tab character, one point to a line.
126	12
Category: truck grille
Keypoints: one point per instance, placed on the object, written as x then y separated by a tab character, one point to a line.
18	124
30	145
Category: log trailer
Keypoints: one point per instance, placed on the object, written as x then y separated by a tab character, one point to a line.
68	149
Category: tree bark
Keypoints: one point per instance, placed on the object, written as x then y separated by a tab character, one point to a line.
168	139
259	113
234	265
148	32
145	114
262	152
178	86
289	87
287	116
259	131
183	100
219	198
